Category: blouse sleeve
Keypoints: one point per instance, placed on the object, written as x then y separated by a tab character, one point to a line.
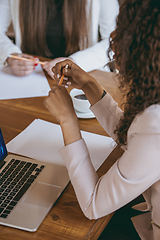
6	45
107	113
131	175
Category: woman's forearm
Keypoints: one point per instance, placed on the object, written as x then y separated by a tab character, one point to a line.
93	91
71	131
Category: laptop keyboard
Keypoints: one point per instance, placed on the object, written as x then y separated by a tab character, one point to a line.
15	179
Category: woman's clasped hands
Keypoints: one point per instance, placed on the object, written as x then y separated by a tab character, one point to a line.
59	102
74	75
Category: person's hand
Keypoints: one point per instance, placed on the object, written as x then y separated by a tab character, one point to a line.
74	75
21	67
78	78
60	106
50	64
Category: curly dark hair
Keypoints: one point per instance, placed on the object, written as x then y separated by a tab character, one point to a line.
137	47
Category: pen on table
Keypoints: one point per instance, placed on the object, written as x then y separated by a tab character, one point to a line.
61	80
26	59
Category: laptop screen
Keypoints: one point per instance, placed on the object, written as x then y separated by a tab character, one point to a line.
3	149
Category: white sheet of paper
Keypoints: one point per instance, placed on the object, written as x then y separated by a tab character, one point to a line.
33	85
42	140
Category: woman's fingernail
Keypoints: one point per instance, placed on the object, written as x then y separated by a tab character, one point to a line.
35	64
58	76
68	83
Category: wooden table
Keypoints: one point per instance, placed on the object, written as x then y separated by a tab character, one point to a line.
65	221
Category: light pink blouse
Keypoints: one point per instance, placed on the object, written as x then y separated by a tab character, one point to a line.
136	172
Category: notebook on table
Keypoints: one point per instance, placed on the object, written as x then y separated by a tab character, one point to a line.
28	189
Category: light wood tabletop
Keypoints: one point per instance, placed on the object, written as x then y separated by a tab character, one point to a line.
65	220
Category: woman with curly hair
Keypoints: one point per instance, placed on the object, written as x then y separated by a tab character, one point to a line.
136	43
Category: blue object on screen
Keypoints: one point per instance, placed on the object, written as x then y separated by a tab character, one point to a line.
3	149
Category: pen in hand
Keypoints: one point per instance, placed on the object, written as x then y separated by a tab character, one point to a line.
61	80
25	59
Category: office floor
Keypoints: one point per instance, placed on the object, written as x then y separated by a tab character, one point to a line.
120	226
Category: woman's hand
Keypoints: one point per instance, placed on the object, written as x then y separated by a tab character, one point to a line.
21	67
74	75
50	64
78	78
60	106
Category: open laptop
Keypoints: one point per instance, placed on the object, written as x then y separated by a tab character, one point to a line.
28	189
